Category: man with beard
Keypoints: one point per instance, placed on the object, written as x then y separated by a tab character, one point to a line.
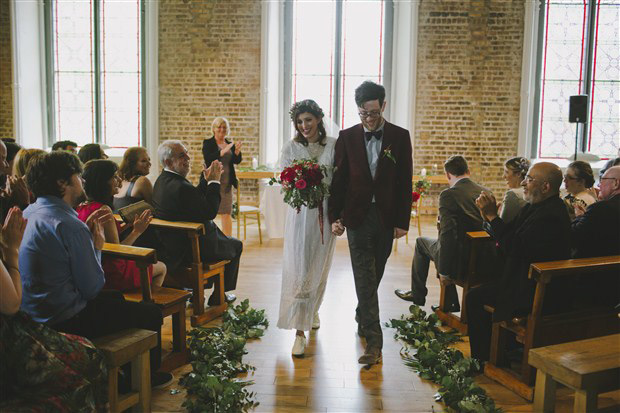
60	262
541	232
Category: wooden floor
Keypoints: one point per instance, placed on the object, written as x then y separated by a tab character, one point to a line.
329	378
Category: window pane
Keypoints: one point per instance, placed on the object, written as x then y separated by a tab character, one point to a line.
605	110
561	75
120	73
362	52
73	71
313	52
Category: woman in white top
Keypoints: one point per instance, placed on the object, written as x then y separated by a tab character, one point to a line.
515	170
307	257
579	181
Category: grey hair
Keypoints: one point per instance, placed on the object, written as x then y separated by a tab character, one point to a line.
164	151
217	122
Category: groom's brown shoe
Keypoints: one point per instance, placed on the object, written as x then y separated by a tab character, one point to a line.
370	357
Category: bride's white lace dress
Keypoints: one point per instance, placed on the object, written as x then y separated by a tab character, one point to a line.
306	260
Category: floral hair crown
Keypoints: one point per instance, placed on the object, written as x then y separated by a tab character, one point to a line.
307	105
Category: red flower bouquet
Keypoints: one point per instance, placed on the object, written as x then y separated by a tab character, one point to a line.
303	185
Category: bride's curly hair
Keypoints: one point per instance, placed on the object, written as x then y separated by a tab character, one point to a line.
309	106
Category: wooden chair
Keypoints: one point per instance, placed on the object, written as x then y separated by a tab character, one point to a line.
197	273
129	346
473	277
171	301
539	329
245	211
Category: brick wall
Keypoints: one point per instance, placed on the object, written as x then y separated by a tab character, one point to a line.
468	84
209	65
6	72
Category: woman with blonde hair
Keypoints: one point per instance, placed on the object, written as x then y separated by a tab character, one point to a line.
22	159
134	168
218	147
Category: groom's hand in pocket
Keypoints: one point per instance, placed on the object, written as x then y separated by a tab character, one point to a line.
337	228
399	232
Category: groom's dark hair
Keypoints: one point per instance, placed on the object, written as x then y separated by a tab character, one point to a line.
369	91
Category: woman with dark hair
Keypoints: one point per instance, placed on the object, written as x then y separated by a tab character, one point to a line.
135	186
101	183
307	256
515	170
91	151
219	147
579	181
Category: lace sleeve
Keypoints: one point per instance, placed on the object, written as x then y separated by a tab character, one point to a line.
286	157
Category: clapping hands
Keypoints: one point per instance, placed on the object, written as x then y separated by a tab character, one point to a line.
213	172
13	230
488	205
17	190
95	223
142	221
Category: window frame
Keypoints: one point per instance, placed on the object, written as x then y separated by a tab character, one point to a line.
50	95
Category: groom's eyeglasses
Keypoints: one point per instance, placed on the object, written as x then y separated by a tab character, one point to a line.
372	114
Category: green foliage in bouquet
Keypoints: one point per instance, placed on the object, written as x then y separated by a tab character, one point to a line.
216	357
421	186
437	362
303	184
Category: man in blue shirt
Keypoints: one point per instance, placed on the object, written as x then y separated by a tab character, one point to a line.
60	262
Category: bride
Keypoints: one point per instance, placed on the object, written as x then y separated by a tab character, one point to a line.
307	258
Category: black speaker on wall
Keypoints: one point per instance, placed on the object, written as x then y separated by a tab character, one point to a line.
578	111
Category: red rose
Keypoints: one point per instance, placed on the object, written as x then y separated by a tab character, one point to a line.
287	175
414	197
314	176
301	184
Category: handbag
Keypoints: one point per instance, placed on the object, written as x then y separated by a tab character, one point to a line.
129	212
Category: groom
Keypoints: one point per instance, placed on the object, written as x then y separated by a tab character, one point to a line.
371	196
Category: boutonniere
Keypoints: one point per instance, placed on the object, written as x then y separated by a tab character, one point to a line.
387	153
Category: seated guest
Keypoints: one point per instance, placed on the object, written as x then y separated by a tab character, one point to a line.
22	159
515	170
91	151
67	146
39	367
60	262
458	214
101	183
579	180
15	192
541	232
133	170
176	199
596	231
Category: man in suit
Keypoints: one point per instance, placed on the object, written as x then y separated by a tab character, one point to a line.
371	197
596	231
541	232
176	199
458	214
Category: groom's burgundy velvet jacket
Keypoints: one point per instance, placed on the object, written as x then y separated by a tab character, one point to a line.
353	187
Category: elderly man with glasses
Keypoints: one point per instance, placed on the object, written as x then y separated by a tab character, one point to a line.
541	232
596	230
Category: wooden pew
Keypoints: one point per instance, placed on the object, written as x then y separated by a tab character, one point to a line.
197	274
171	301
539	329
129	346
472	278
588	367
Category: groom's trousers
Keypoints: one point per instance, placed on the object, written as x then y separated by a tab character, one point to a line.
370	246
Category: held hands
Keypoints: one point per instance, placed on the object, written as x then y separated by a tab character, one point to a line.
337	228
399	232
488	206
95	223
13	230
213	172
142	221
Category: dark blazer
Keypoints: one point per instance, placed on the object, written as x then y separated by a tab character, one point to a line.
352	187
211	152
176	199
458	214
541	232
596	233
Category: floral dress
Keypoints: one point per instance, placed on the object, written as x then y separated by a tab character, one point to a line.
43	370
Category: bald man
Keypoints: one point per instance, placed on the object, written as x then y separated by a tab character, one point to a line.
541	232
596	231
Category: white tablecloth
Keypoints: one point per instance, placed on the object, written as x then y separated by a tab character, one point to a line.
273	208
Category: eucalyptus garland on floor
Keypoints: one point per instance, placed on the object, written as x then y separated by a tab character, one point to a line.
216	358
434	360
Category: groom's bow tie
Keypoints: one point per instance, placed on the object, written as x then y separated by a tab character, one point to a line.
378	134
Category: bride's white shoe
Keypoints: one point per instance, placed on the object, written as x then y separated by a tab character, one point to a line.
299	347
316	321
